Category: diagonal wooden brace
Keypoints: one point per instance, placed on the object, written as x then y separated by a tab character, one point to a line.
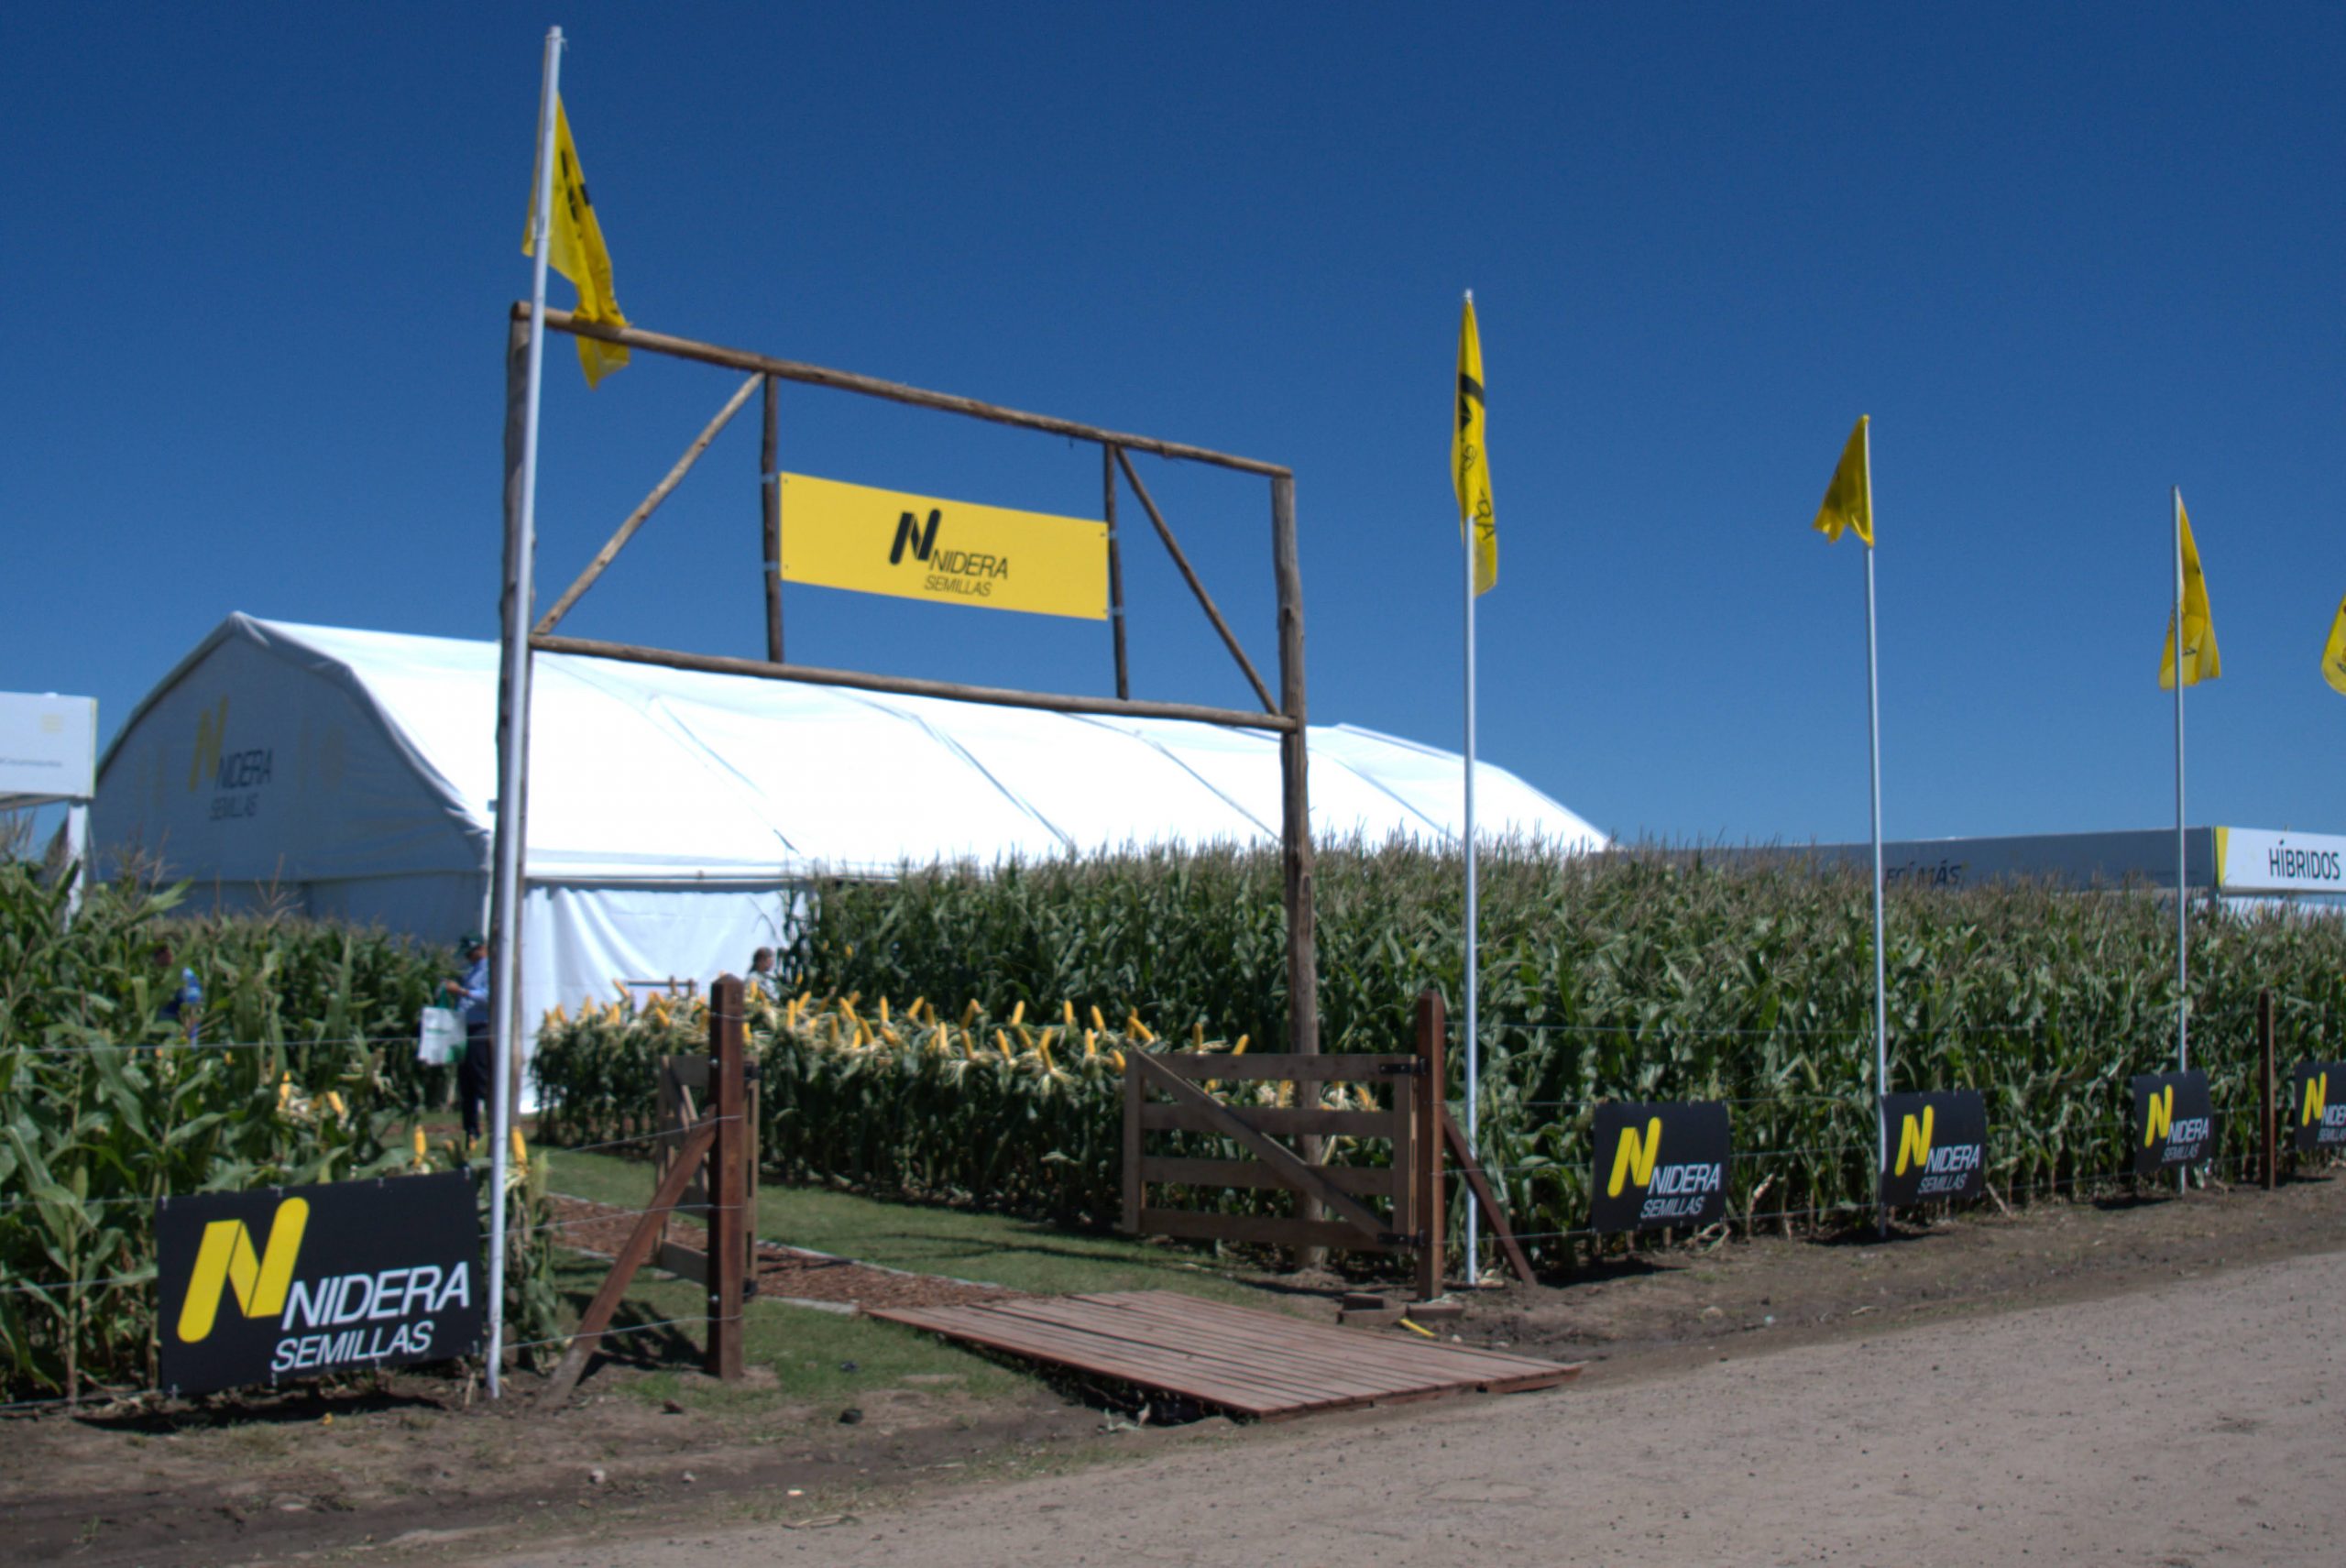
1485	1197
631	1258
1296	1173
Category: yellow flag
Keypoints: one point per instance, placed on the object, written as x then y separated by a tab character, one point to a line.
1470	463
2201	662
575	250
1849	500
2334	658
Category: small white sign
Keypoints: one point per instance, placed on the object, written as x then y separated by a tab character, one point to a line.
2255	860
49	748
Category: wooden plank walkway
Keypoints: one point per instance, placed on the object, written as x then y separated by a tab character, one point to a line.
1265	1364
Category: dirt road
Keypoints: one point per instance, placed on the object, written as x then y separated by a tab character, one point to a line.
2196	1423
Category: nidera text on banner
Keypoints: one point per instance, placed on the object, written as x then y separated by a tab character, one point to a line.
2316	1122
1470	457
2201	662
1938	1146
1848	499
1659	1165
575	249
2174	1122
303	1281
838	535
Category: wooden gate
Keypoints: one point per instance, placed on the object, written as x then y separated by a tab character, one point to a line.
1173	1093
684	1102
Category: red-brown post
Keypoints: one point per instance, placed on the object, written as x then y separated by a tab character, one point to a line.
2268	1150
1115	570
1295	822
770	506
1430	1196
728	1184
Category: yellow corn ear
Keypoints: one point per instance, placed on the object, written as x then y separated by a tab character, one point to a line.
1066	1013
1001	1044
1098	1022
884	1007
1240	1049
970	1014
1198	1035
1120	1060
333	1098
521	1148
1018	1011
421	1149
918	1003
1090	1043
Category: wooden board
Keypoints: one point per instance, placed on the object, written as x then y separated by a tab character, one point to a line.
1259	1364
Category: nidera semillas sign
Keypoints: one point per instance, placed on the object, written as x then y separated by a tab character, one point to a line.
2317	1107
293	1282
1659	1165
838	535
1934	1146
2174	1121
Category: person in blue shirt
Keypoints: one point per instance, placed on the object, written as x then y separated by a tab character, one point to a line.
470	995
185	1007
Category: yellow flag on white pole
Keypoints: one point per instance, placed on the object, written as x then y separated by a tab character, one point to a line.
1470	461
1849	500
2201	662
575	249
2333	657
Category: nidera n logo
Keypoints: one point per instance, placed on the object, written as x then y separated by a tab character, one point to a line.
909	532
210	727
1634	1161
1915	1141
2162	1116
225	1262
2317	1099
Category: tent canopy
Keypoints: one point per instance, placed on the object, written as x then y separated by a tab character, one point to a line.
368	753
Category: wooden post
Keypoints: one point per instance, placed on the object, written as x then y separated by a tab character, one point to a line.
770	501
1294	821
727	1185
1431	1195
2268	1148
1136	1198
1115	572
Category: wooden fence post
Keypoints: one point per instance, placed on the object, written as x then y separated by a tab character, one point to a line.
2268	1150
727	1185
1429	1194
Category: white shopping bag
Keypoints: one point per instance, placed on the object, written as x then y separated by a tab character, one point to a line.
441	1039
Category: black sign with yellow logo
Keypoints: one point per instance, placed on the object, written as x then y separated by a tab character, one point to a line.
1660	1165
2317	1107
301	1282
1936	1147
2174	1122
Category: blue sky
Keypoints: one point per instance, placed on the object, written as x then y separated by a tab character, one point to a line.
258	260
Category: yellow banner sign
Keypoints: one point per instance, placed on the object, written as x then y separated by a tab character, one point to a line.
839	535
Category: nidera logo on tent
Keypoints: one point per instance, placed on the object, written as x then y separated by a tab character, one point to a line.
1667	1166
210	729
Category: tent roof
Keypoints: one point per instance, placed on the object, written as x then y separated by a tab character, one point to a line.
642	772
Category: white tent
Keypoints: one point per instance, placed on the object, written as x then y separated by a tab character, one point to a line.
674	815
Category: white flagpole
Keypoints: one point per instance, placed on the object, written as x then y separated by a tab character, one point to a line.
1474	1033
513	738
2182	891
1880	1003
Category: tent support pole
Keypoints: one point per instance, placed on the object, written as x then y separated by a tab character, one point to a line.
770	504
1295	819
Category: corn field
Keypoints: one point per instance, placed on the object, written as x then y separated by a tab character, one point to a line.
105	1107
1635	975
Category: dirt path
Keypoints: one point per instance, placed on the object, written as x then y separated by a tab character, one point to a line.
2195	1424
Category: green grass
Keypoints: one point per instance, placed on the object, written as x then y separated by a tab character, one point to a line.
996	1249
809	1351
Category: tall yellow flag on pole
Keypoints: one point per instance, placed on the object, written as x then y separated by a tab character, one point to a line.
2333	657
1849	500
1470	461
2201	662
575	249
